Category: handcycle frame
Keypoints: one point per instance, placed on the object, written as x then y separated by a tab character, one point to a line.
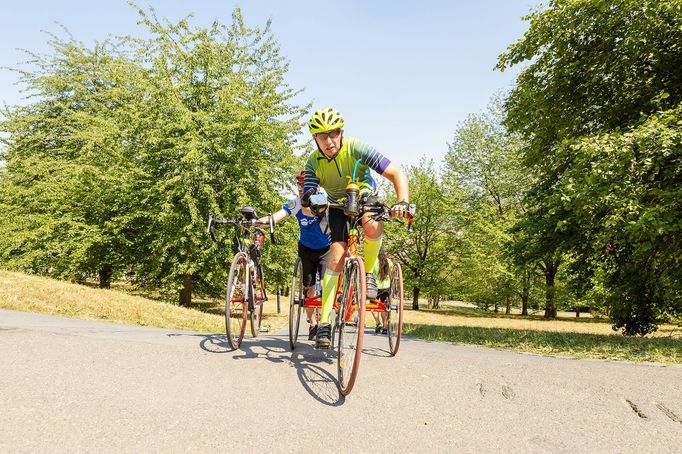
346	309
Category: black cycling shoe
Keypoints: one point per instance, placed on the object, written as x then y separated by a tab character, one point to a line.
371	286
324	336
378	328
312	331
384	330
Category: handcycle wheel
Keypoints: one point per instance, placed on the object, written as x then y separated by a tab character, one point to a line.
256	315
351	323
296	300
395	313
236	300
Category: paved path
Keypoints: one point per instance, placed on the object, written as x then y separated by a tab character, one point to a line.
73	386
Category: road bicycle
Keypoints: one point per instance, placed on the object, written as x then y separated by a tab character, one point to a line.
245	290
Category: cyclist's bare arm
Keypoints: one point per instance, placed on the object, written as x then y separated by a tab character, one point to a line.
401	186
399	180
277	216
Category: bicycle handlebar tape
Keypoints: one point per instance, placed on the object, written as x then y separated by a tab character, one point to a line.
350	207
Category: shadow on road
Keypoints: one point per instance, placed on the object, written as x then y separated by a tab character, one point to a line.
316	380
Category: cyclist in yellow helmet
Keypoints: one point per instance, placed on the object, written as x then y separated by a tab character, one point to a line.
331	167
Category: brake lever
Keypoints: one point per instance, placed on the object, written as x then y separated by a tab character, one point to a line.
272	229
210	228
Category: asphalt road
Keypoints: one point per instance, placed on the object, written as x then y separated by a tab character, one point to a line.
75	386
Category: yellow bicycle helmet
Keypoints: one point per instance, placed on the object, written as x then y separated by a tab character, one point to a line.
325	120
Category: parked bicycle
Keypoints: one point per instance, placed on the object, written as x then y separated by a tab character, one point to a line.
245	292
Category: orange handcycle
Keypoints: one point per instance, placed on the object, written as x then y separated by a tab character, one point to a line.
350	303
245	292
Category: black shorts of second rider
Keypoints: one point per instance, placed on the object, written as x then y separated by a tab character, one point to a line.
312	261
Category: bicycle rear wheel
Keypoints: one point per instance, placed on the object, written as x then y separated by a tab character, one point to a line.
395	313
351	324
236	300
296	300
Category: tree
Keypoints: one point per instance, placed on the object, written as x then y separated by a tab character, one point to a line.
133	143
483	160
66	166
424	252
602	77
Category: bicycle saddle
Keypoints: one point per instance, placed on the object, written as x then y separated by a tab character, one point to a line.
248	213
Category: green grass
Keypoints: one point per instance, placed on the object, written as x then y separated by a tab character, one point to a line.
612	347
22	292
564	337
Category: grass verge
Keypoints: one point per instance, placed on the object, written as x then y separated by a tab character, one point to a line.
666	350
578	338
28	293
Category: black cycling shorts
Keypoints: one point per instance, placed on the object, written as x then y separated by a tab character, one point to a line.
313	261
338	225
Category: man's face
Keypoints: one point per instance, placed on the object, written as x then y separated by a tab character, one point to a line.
329	142
300	189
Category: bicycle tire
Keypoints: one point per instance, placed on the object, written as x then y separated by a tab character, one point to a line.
296	299
395	313
351	332
236	300
256	315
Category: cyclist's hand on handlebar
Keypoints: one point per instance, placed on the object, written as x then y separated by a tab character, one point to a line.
305	198
401	210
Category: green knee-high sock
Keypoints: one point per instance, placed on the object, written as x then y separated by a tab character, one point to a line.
330	281
372	247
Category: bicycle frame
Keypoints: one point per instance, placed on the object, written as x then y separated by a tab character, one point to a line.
248	239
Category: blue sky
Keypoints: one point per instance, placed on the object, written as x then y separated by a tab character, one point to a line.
403	73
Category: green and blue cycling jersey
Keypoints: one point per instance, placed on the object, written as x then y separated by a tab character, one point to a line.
335	173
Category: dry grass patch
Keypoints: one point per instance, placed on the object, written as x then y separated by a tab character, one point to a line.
575	337
28	293
456	316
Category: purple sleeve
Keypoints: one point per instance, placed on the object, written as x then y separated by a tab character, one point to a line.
311	181
372	158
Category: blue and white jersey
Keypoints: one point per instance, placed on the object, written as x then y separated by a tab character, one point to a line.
313	233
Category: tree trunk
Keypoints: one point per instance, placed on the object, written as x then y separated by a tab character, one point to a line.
550	303
186	292
105	274
497	307
577	312
436	302
415	298
508	308
525	291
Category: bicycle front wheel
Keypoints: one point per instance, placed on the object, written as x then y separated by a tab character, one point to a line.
236	300
395	312
296	301
351	323
256	315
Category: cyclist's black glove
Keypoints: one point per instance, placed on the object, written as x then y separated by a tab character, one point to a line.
305	198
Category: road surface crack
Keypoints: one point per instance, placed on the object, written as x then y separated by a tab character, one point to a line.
481	390
636	409
508	392
669	413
